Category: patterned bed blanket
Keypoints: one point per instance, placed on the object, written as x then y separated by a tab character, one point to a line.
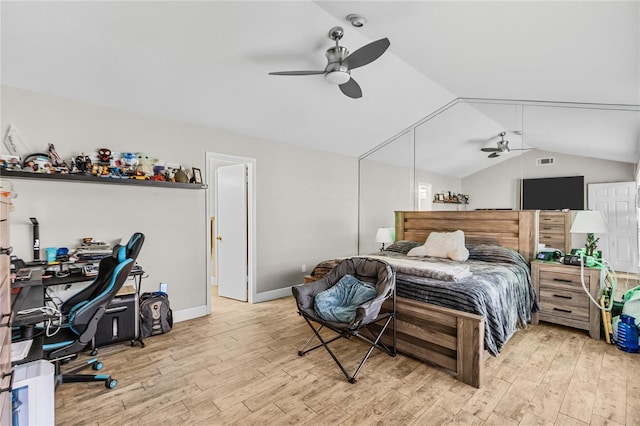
498	288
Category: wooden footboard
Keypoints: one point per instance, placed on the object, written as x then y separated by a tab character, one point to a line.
450	339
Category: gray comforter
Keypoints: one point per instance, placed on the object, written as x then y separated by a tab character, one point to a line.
499	288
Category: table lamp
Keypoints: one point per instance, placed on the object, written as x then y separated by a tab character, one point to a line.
589	222
383	236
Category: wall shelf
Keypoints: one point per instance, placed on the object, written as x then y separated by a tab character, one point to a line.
96	179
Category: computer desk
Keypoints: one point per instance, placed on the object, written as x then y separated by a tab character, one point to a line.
137	274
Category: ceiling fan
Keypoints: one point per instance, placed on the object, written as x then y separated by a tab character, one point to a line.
502	146
340	63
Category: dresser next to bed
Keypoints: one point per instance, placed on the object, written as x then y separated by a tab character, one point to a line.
562	297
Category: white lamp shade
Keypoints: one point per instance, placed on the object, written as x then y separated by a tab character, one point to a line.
589	222
383	235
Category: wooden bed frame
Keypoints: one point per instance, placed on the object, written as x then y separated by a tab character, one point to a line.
447	338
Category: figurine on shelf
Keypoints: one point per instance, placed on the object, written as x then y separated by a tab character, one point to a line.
145	165
104	156
129	162
57	164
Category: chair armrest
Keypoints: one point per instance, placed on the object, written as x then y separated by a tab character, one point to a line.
369	311
305	293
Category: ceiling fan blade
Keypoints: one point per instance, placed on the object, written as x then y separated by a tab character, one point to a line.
490	149
296	72
366	54
351	89
493	155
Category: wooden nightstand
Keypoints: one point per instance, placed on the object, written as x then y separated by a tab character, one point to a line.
562	298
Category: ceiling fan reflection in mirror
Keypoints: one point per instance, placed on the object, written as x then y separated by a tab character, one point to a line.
340	63
502	147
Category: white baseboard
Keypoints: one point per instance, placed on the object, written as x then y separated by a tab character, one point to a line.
201	311
190	313
272	295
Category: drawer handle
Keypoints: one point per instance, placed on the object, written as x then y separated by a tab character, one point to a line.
562	296
562	280
8	323
6	250
567	311
547	229
8	388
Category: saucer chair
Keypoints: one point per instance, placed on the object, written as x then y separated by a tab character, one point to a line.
346	314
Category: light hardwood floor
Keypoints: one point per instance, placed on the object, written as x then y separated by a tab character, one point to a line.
240	366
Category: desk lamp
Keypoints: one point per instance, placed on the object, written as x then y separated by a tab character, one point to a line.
589	222
383	236
36	238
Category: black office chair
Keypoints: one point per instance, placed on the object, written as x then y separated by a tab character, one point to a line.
82	321
134	245
368	316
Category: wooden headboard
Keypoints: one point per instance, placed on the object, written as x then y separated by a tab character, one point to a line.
516	229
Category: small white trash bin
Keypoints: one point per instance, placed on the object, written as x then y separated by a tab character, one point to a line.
33	394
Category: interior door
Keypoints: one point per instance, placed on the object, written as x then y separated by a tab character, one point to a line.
231	238
617	202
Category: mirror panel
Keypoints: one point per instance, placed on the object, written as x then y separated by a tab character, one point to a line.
443	153
386	185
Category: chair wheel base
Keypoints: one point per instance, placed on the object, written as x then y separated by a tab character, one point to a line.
300	353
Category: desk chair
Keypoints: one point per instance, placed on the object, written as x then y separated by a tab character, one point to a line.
83	317
368	317
132	247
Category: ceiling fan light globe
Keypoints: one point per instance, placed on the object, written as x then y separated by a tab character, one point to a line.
337	77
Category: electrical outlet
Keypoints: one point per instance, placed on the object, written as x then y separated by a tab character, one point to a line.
304	268
163	287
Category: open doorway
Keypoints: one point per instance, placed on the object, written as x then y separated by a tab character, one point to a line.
231	188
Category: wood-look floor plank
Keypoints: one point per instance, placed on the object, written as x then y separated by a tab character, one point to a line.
239	365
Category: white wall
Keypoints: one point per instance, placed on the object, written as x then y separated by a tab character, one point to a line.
499	186
306	199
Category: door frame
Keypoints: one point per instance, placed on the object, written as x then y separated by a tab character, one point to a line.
213	161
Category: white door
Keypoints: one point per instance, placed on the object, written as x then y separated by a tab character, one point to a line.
231	238
617	201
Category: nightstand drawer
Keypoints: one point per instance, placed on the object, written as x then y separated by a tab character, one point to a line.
561	279
570	304
553	240
547	219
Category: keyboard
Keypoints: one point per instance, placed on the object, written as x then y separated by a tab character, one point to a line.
20	350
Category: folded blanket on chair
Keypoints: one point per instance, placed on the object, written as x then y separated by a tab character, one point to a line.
339	302
428	269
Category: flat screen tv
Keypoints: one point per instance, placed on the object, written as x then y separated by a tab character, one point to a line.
553	193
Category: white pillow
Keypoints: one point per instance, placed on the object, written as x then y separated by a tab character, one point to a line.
443	244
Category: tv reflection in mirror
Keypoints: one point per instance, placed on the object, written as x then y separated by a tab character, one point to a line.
557	193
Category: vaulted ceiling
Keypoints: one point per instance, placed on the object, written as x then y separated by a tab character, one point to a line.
207	62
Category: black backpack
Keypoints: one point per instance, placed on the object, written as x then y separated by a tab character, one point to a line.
155	312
